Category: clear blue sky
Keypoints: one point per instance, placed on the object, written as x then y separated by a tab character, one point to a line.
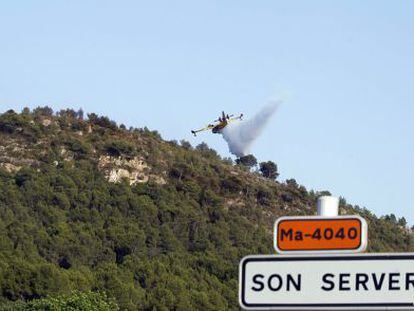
174	65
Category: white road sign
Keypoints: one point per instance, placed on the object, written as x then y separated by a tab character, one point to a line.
331	282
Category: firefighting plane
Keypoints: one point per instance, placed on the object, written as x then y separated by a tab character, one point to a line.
219	124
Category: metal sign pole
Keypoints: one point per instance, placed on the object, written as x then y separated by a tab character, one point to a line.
328	206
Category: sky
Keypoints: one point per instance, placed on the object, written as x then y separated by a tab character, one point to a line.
343	68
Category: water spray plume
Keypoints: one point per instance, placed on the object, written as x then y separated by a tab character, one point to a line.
240	136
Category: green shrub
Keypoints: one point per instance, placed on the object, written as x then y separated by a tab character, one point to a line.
248	161
77	301
78	147
269	170
119	148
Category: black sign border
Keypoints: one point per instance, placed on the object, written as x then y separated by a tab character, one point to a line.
321	258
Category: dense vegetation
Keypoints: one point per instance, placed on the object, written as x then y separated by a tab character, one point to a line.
171	238
92	301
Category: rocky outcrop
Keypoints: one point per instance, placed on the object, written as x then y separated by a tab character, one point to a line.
116	175
11	168
135	170
12	165
46	122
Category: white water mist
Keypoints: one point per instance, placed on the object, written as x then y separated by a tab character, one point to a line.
240	136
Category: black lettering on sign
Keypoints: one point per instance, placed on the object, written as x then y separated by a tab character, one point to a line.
272	284
340	234
328	234
276	282
317	234
394	281
409	280
288	234
298	236
257	279
361	280
352	233
344	280
291	281
366	282
326	280
378	283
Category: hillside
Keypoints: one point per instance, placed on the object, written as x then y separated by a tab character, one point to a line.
88	205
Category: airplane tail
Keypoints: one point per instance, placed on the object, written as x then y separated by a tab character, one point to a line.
194	133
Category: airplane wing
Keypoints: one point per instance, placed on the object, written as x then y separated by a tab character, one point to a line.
240	117
208	127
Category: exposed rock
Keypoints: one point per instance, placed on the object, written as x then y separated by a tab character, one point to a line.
5	160
18	149
135	163
135	170
116	175
67	155
46	122
11	168
235	202
158	179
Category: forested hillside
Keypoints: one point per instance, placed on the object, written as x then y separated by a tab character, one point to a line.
127	219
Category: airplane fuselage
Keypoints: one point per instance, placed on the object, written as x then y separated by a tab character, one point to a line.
217	129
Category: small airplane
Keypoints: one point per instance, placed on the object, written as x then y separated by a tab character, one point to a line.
219	124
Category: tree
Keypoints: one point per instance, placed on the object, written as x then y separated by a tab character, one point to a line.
118	148
392	218
45	111
26	111
80	114
104	122
76	301
68	114
269	170
248	161
206	150
202	147
185	144
324	193
402	222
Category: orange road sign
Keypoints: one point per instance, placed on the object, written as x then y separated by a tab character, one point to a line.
316	234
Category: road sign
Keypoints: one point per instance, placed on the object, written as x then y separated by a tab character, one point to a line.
341	234
328	282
